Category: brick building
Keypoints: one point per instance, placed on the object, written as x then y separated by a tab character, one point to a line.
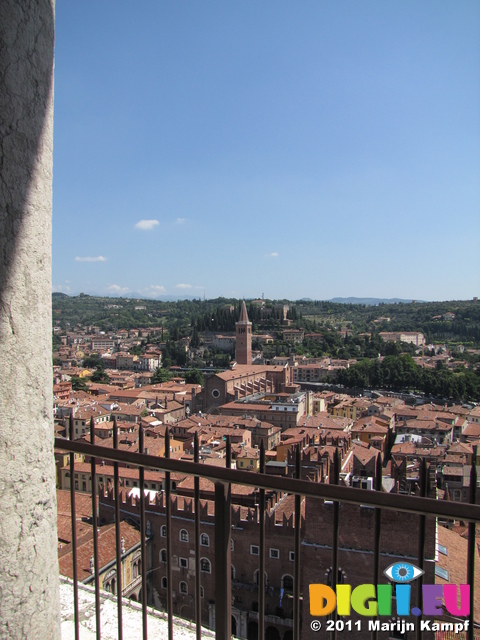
243	380
355	554
279	561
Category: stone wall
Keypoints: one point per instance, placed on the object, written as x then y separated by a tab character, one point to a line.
29	605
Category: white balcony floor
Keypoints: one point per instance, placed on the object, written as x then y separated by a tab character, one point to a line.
132	618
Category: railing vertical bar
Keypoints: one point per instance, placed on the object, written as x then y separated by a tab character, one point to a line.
378	521
168	510
96	569
421	542
261	566
74	534
116	488
296	566
223	557
472	546
196	500
143	549
334	478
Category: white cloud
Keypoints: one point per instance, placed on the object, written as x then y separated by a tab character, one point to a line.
90	259
180	220
116	288
155	290
189	286
146	225
61	288
274	254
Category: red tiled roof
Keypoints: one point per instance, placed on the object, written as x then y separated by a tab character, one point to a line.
106	549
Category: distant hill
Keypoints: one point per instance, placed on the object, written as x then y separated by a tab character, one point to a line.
371	301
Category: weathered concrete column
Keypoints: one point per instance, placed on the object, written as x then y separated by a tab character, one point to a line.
29	604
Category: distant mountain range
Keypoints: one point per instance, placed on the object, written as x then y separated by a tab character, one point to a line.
371	301
351	300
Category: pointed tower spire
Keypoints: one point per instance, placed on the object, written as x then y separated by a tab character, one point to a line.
243	340
243	313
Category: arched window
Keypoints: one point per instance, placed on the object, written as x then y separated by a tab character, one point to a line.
136	571
110	585
164	582
256	577
205	566
163	530
232	572
287	582
183	587
163	555
183	535
204	540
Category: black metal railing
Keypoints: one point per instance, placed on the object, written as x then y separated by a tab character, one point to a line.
223	478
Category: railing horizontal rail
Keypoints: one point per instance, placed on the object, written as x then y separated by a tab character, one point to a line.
329	492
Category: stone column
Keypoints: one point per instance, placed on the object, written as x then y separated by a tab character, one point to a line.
29	603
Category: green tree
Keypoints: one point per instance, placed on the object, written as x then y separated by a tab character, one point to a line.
195	376
79	384
99	375
92	361
161	375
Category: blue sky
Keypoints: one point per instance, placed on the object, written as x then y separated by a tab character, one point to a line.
297	149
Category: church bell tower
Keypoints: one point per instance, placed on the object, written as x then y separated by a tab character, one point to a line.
243	340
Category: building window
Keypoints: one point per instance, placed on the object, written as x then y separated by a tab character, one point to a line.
183	563
291	556
202	592
164	582
254	550
183	535
136	568
163	555
204	540
256	577
287	582
205	566
215	393
232	545
232	571
274	553
442	573
163	531
111	586
183	587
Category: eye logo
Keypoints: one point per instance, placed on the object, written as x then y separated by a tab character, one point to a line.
376	600
403	572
